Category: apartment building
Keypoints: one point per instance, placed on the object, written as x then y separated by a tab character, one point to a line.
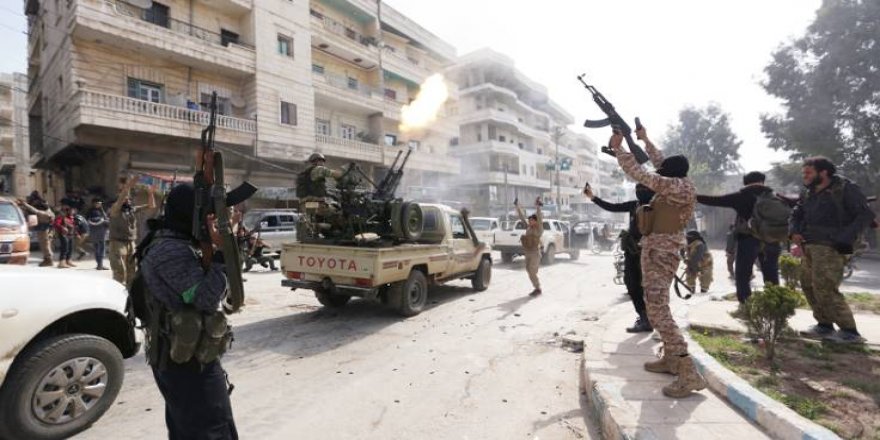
14	155
510	131
121	85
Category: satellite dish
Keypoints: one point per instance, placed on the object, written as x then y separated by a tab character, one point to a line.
145	4
237	101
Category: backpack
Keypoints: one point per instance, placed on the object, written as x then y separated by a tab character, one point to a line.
82	226
304	183
769	221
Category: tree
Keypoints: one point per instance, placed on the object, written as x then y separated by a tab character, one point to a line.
828	81
704	136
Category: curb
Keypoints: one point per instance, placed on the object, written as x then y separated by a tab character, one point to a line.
778	420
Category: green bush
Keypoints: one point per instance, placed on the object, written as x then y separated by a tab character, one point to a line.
766	314
790	270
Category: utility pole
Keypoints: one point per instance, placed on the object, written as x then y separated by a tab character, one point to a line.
557	134
506	199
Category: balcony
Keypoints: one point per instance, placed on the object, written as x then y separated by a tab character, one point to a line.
232	7
342	41
337	88
423	161
124	113
488	147
348	148
402	65
128	27
491	115
497	178
511	94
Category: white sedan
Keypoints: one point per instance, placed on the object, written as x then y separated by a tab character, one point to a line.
63	336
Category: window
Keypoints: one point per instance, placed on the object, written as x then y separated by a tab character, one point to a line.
502	138
391	94
390	140
350	33
158	15
347	131
224	107
144	90
521	146
458	230
352	83
413	145
317	68
322	126
272	221
479	137
288	113
227	37
285	46
453	142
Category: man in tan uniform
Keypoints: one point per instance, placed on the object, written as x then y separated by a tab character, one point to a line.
699	262
531	242
663	229
123	232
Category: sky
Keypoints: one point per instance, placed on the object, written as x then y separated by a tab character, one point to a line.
649	58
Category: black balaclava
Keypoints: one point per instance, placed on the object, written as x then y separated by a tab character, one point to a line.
179	209
644	194
674	166
693	236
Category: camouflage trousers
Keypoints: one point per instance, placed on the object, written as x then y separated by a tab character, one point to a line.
533	262
704	272
821	274
658	271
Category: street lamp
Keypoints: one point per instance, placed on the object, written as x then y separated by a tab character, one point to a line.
558	132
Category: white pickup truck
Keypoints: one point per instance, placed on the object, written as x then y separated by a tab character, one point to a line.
556	239
397	275
485	228
63	336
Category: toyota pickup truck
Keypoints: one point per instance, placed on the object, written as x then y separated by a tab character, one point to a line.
399	276
556	239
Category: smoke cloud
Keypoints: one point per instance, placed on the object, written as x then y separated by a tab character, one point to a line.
424	109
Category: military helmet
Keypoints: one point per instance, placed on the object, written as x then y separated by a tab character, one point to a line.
316	157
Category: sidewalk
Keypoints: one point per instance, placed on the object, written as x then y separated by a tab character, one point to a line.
716	314
628	400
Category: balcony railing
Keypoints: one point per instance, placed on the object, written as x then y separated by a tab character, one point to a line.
348	148
124	104
342	30
177	26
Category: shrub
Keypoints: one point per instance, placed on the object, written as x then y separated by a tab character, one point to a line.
766	314
790	270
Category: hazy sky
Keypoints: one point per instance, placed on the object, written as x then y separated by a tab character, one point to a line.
649	57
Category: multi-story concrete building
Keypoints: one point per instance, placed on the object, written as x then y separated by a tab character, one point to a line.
507	134
14	147
122	85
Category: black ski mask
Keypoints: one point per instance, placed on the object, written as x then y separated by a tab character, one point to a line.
179	209
674	166
644	194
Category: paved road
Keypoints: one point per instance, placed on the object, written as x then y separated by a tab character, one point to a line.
472	366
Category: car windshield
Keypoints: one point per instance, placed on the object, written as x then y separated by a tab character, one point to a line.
9	215
481	224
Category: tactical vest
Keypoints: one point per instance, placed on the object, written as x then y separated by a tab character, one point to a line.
307	187
659	217
179	336
530	242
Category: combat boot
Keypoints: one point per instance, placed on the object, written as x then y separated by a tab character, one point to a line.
47	262
688	381
664	365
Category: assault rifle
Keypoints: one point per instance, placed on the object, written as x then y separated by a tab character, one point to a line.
616	121
388	185
211	198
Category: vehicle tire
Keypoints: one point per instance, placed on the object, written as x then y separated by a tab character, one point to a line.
411	221
483	277
409	297
597	248
328	299
575	254
506	257
847	271
549	257
89	374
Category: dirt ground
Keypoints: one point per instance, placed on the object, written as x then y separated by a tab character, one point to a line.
835	386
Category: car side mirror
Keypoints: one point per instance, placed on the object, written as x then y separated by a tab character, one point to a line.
32	221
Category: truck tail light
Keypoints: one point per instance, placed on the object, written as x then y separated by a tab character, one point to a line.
363	282
294	275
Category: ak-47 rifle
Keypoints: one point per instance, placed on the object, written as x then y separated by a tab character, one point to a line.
614	120
211	198
388	186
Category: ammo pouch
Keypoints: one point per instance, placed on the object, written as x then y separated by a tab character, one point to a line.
658	217
193	334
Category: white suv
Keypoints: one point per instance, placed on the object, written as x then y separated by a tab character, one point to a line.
63	336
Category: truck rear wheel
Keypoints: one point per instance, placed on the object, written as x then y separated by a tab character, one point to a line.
409	297
506	257
328	299
483	277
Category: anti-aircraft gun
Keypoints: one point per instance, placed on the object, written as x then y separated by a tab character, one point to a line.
351	213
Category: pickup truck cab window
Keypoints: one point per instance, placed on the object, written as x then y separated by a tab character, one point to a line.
458	229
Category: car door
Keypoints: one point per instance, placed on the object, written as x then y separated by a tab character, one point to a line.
462	245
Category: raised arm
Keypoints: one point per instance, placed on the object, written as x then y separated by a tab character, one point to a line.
653	152
724	201
117	207
629	206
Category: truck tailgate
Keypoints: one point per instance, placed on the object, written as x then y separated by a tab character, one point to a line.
329	261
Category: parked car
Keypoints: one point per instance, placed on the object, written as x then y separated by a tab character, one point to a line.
275	226
64	336
15	243
556	239
485	228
